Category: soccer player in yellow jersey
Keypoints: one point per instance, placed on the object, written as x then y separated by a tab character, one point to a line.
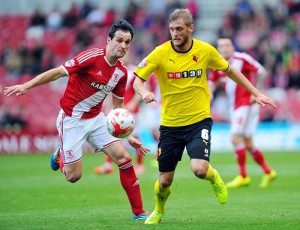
180	66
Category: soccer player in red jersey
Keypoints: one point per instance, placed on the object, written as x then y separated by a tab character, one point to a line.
244	111
93	74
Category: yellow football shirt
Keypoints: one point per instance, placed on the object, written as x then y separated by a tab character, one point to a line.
182	80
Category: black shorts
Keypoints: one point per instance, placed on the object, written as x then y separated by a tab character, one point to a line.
173	140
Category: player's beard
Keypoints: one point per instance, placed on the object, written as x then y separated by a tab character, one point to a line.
183	43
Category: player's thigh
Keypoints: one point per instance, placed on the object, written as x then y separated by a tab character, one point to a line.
170	148
72	134
252	121
99	138
198	140
239	120
117	152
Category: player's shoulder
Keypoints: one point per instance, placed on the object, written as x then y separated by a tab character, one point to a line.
164	47
90	54
122	64
243	56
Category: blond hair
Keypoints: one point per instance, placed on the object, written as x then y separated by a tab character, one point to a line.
185	14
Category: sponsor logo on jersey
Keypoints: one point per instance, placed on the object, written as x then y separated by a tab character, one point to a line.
185	74
105	88
99	73
195	58
171	60
142	63
70	63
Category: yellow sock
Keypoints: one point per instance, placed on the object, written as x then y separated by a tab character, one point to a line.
161	196
211	174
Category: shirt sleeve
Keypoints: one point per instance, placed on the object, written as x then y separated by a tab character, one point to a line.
217	62
80	62
147	66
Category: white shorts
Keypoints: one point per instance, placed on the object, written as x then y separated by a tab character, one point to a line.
244	120
73	132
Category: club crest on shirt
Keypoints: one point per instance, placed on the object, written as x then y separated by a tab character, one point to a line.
195	58
116	76
70	63
142	63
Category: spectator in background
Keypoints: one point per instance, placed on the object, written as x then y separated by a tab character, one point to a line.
71	17
83	37
54	19
32	53
36	25
131	11
12	120
192	5
96	16
86	8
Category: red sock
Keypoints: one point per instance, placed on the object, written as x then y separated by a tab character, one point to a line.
139	158
258	156
241	159
108	159
131	185
61	163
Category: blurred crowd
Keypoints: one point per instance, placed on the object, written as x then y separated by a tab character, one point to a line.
271	35
31	44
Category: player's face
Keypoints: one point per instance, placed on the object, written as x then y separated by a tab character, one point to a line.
119	44
181	34
225	47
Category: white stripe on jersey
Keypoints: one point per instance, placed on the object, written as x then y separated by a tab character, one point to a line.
249	59
90	102
89	55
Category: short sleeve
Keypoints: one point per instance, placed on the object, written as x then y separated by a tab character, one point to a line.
216	61
147	66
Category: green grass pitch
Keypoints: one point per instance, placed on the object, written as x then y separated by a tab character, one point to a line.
34	197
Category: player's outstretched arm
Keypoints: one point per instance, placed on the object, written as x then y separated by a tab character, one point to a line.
239	78
43	78
141	90
135	143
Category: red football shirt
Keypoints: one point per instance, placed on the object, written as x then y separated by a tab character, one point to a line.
238	96
91	79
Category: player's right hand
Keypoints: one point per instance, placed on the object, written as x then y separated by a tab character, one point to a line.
149	97
15	89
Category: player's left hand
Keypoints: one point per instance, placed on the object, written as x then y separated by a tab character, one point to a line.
135	143
263	100
16	89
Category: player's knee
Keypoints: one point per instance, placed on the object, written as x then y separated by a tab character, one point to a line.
200	172
165	182
72	178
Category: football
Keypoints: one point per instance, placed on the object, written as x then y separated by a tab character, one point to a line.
120	123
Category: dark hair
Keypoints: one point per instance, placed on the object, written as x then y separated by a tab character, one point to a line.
120	24
226	37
